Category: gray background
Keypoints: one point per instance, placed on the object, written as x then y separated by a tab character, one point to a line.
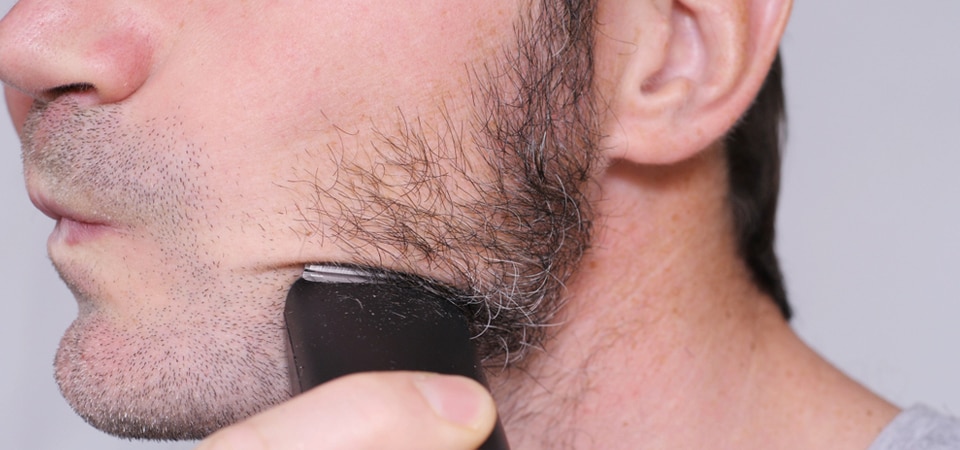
867	225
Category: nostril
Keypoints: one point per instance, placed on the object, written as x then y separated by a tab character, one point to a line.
90	53
73	88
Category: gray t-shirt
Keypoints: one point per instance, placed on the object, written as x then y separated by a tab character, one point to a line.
919	428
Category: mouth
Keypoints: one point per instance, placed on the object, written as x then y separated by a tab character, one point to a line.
72	227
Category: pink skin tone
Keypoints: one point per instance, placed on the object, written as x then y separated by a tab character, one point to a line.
179	223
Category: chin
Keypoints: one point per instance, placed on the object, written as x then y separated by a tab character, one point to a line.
170	378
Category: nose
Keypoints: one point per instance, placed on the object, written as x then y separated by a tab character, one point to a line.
98	51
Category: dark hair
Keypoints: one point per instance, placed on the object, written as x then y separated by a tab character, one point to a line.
753	159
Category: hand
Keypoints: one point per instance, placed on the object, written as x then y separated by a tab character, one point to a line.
377	410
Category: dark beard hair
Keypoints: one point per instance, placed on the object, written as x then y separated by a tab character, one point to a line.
507	232
507	229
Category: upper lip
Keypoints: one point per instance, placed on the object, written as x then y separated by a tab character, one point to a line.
58	195
57	211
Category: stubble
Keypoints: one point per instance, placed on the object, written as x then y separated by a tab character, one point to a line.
507	229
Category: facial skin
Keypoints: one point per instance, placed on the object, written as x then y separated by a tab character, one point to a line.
197	154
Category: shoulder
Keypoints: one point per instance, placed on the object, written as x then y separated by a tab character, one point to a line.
920	428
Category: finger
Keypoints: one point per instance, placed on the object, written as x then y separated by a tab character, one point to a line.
401	410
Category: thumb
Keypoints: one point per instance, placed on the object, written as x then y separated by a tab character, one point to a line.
402	410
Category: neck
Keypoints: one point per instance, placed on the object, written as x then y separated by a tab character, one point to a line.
665	341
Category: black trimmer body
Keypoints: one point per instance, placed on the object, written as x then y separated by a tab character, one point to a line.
344	320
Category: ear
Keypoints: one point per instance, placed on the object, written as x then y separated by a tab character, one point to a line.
678	74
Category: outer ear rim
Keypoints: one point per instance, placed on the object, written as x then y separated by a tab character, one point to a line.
683	116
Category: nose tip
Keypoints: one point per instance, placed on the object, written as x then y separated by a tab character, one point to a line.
53	48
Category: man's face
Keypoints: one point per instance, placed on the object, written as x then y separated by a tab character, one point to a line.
198	153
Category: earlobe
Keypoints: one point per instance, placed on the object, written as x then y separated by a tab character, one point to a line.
676	87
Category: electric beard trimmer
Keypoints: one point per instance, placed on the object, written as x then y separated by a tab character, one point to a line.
343	320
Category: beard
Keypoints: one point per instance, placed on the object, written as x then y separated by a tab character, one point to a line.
506	232
506	229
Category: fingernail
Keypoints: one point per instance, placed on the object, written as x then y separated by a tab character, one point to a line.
457	399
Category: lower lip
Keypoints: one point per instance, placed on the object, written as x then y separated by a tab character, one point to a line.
72	232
